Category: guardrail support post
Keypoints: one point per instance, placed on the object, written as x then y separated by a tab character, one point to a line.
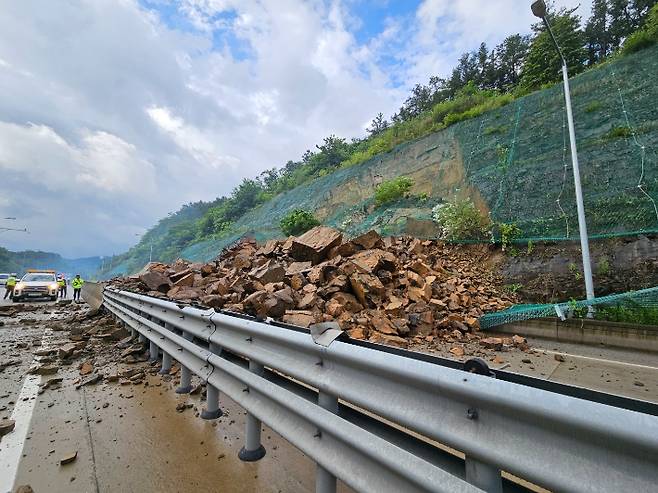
142	338
212	410
166	363
325	482
153	352
253	450
484	476
185	374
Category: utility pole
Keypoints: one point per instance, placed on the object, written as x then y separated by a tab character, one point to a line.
539	10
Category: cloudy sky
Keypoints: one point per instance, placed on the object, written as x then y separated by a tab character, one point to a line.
115	112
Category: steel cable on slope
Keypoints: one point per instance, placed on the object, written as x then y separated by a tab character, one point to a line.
642	147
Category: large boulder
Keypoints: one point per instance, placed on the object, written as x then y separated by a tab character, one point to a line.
315	244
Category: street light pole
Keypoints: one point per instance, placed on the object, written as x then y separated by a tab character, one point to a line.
539	10
151	249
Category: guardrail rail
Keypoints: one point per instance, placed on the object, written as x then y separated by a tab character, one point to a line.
381	420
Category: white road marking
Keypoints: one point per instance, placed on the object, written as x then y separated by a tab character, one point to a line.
598	360
11	446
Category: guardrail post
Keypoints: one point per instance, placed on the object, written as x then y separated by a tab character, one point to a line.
253	450
483	475
185	374
212	410
166	358
325	482
153	352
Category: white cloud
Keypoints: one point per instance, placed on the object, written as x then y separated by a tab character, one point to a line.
102	163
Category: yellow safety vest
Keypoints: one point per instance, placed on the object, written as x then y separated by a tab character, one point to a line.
61	283
77	283
11	281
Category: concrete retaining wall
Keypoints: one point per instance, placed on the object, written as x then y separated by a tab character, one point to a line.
593	332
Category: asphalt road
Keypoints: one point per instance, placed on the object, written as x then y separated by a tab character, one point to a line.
127	438
132	439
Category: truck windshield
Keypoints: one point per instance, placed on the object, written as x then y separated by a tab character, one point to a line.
38	277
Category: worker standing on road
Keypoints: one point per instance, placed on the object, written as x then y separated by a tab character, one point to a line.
9	287
77	283
61	282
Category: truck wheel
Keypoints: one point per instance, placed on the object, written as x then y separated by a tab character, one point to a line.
15	300
53	298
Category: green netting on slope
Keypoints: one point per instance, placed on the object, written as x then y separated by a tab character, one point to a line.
514	160
633	307
519	158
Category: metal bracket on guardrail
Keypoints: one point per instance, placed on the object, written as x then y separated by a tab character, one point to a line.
325	333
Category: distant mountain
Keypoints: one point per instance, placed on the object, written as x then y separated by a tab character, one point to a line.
19	262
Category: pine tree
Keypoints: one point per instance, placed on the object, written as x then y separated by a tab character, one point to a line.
378	125
639	11
596	31
621	22
509	58
543	63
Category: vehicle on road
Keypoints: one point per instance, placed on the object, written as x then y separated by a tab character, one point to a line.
3	278
36	284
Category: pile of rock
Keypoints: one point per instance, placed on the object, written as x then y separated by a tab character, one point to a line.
386	290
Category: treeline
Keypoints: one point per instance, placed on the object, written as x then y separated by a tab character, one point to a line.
19	262
523	63
482	80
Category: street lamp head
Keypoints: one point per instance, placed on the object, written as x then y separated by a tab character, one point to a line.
539	8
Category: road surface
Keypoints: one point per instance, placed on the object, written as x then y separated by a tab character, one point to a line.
131	438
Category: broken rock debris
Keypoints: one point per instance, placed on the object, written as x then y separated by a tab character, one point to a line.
394	290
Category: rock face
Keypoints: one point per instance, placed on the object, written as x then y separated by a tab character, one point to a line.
386	290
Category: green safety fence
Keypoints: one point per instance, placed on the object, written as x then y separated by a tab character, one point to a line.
640	307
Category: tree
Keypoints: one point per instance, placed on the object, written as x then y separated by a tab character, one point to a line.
378	125
596	32
621	22
510	57
543	63
333	151
640	11
243	198
269	177
645	36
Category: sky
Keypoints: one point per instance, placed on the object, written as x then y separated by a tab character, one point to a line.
114	113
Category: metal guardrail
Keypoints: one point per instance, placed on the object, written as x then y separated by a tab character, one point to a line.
381	422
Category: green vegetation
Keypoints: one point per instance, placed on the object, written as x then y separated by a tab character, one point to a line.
297	222
603	267
593	107
628	311
618	132
645	37
512	288
508	233
462	220
392	190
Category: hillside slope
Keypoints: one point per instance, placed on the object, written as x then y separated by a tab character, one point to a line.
513	162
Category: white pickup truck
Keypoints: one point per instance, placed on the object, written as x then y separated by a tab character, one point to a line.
36	284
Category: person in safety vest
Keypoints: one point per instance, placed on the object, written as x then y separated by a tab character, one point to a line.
61	282
9	287
77	283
